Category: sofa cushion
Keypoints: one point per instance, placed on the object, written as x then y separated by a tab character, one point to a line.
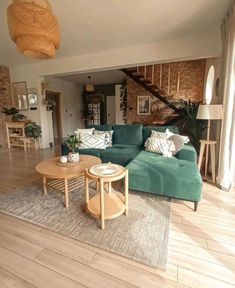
120	154
150	172
89	151
128	134
188	152
147	130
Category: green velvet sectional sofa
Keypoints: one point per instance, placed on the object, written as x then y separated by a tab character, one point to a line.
175	177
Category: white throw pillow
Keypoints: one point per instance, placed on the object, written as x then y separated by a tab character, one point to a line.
159	135
160	146
78	132
92	141
108	136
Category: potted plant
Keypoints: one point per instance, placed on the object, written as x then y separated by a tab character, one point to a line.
14	112
189	124
72	142
32	130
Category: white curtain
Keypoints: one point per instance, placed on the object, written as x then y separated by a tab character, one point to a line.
226	170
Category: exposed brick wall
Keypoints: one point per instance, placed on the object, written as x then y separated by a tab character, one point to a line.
191	86
5	100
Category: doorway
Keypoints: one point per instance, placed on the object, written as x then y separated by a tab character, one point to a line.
54	104
111	110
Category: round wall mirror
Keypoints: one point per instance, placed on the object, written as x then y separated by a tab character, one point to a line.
209	85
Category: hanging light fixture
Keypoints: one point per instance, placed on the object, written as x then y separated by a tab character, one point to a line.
33	28
89	86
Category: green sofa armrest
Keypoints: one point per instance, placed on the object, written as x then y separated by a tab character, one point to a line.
188	152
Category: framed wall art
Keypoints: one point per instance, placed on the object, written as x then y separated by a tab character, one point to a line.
20	95
33	96
143	105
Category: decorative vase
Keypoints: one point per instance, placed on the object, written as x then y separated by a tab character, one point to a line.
73	157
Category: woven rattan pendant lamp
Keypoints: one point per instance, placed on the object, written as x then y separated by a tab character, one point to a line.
33	28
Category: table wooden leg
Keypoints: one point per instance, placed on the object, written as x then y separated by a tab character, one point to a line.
126	192
86	189
66	193
102	203
44	179
201	155
97	185
110	187
212	150
207	158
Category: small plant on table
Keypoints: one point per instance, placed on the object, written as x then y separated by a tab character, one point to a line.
72	142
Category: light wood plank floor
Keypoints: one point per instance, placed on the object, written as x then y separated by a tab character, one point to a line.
201	246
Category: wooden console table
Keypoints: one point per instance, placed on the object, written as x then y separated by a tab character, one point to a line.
15	133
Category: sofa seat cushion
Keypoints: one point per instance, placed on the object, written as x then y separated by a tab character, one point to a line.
153	173
120	154
87	151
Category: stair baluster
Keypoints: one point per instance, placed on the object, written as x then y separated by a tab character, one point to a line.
153	72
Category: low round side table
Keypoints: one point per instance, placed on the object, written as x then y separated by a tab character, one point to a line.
64	179
107	203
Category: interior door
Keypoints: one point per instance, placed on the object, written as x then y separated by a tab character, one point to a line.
111	110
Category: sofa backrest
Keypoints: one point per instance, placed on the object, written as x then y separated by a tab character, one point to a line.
106	127
128	134
132	134
147	130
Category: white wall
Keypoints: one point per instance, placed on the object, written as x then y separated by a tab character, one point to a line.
201	46
71	103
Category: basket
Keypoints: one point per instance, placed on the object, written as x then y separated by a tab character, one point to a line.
33	28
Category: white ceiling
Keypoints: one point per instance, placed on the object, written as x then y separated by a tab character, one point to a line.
97	78
88	26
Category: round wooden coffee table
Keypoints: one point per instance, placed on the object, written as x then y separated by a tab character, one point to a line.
64	179
107	203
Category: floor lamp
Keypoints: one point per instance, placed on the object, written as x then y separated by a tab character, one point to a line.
208	112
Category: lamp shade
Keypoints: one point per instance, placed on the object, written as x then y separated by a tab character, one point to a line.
89	87
33	28
210	112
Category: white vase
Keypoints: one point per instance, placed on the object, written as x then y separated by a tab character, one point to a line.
73	157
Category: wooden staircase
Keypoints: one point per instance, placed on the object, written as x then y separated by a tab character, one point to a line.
145	77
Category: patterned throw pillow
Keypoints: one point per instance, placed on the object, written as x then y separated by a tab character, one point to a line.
159	135
78	132
160	146
108	136
167	134
92	141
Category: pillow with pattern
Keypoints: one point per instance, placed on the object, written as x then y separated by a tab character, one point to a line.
108	136
159	135
160	146
78	132
92	141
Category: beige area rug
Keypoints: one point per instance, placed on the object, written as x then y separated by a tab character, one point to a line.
142	236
